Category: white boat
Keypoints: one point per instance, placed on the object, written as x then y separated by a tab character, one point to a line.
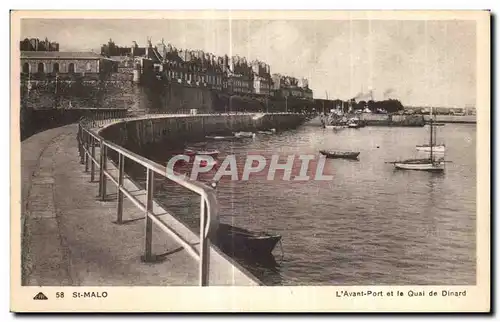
354	123
244	134
420	164
440	148
271	131
220	137
335	127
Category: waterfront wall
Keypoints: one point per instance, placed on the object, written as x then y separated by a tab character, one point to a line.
178	97
372	119
137	134
34	121
77	93
454	118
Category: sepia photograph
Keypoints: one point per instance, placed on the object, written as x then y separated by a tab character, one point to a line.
344	153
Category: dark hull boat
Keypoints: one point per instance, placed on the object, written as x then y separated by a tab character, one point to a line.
244	243
340	154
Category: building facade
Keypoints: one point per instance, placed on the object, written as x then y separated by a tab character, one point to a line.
40	63
286	86
261	85
35	44
240	84
261	78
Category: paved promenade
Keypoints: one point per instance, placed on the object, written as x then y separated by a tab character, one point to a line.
70	237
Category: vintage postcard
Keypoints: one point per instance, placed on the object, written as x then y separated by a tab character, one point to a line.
250	161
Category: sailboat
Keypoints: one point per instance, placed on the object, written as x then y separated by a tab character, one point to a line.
425	164
436	148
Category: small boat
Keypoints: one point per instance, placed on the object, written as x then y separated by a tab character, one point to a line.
335	127
244	134
354	123
427	164
192	151
221	137
427	148
267	132
340	154
242	242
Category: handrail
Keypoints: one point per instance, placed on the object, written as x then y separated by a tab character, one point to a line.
87	139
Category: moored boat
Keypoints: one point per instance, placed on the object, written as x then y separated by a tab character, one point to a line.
244	134
211	155
340	154
243	242
425	164
420	164
354	123
427	148
221	137
335	127
193	151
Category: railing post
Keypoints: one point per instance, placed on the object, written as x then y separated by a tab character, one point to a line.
121	168
81	151
204	246
149	222
103	170
100	168
86	150
92	153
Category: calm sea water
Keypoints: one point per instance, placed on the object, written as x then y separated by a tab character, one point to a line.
370	225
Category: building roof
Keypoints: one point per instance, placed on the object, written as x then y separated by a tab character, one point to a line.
60	55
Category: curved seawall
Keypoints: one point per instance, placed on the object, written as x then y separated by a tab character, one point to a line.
174	129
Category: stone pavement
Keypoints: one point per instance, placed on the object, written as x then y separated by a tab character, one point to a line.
69	236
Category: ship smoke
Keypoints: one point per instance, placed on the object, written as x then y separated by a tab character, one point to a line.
387	92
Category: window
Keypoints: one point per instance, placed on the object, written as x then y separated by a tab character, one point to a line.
55	68
41	68
71	68
26	68
88	67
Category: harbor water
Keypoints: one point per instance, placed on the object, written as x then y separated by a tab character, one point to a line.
369	225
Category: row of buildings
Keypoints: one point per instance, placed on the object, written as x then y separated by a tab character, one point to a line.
234	75
35	44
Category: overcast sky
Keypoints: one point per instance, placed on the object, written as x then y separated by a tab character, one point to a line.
422	63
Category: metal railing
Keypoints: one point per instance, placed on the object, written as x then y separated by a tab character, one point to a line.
88	140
